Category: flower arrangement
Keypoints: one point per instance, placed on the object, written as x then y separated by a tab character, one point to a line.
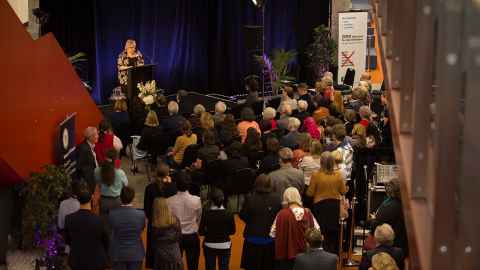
148	93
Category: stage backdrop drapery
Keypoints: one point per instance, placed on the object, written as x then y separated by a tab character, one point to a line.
197	45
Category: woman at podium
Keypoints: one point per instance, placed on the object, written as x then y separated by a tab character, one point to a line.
130	57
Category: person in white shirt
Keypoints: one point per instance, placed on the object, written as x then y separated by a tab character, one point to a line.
70	205
188	209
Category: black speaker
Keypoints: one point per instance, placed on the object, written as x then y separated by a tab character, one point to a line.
254	38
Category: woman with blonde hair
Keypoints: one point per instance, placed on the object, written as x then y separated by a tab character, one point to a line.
166	237
130	57
152	137
383	261
327	187
161	187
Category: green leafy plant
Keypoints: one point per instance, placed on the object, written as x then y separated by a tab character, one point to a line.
322	52
77	58
279	66
42	196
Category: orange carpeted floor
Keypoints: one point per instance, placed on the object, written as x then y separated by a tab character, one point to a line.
237	244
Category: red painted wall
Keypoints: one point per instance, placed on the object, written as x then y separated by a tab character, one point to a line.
38	89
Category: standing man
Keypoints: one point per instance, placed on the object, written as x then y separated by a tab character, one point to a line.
188	209
87	237
127	224
315	257
86	159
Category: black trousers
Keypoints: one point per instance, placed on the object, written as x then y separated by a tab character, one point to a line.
190	243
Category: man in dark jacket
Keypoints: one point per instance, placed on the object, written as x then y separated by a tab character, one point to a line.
86	159
127	225
316	257
87	236
171	126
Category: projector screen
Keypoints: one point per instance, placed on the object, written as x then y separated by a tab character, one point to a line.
21	9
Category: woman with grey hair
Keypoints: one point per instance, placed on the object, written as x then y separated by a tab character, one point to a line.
219	116
195	117
390	212
384	237
268	122
289	228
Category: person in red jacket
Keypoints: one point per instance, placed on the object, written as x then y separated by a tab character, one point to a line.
289	228
106	141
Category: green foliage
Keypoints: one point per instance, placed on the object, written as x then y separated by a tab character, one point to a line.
77	58
42	196
280	66
322	53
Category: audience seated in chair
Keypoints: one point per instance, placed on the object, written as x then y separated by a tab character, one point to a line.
120	120
302	112
248	121
227	131
384	237
270	162
182	142
253	148
268	120
152	139
195	118
285	111
209	151
219	116
171	126
290	140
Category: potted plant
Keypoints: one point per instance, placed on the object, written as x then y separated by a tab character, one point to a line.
278	68
42	195
322	53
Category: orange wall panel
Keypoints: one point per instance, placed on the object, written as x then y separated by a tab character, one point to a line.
38	89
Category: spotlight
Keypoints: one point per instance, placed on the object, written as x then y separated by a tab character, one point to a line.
258	3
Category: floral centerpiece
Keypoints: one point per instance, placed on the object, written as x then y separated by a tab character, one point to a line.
148	93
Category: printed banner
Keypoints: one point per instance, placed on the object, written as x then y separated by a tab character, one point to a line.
352	43
66	155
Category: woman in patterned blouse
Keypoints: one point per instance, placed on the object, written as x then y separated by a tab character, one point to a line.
130	57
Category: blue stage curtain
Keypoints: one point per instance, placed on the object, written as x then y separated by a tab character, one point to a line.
197	45
171	34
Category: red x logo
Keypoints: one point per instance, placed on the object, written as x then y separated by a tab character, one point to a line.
347	59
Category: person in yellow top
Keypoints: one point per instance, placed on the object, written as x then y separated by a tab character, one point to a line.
327	183
327	187
187	138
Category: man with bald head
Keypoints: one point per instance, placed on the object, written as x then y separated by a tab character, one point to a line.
86	159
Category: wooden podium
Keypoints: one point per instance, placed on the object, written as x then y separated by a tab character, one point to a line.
138	74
